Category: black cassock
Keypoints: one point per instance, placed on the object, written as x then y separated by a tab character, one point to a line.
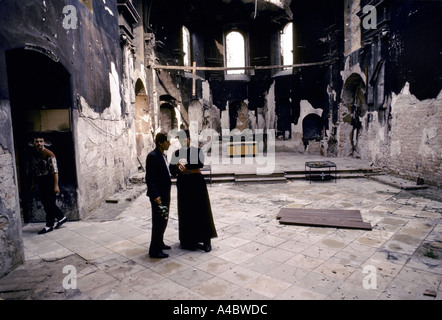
195	219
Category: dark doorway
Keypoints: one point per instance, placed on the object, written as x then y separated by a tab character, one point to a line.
41	101
167	117
311	128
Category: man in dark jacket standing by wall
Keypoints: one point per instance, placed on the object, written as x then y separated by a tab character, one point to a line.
45	175
158	190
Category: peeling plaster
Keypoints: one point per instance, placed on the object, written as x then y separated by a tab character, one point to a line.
113	112
114	80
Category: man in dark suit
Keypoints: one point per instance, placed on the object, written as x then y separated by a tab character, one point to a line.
158	190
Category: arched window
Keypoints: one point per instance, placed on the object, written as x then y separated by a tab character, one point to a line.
186	47
287	44
235	52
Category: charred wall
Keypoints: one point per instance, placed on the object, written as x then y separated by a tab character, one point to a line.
84	67
390	108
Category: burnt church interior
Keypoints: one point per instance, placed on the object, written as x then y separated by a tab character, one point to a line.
328	78
318	39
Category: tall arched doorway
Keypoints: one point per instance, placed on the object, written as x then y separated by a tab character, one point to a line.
41	102
143	122
312	127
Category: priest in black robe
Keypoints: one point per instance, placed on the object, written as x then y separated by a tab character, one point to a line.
195	219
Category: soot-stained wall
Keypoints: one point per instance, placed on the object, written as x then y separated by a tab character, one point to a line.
93	80
390	109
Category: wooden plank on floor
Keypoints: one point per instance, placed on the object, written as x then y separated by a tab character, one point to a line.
321	216
337	218
329	213
326	222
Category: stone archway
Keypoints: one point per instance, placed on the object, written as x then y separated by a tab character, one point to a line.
312	127
143	122
41	102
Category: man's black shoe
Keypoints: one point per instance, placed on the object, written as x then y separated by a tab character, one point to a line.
205	247
159	255
59	223
166	247
45	230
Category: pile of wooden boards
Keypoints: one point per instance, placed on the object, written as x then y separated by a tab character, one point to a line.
349	219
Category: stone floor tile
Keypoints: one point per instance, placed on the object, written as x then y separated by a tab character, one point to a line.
304	262
96	284
105	238
271	240
42	245
279	255
239	275
392	256
77	243
332	243
369	279
233	242
215	265
430	280
260	264
347	259
370	241
55	254
319	283
242	293
294	246
215	288
319	252
121	268
288	273
349	291
399	247
191	277
267	286
425	264
142	279
122	292
336	270
298	293
309	237
383	267
254	247
236	256
127	248
407	291
193	258
169	267
167	289
142	239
